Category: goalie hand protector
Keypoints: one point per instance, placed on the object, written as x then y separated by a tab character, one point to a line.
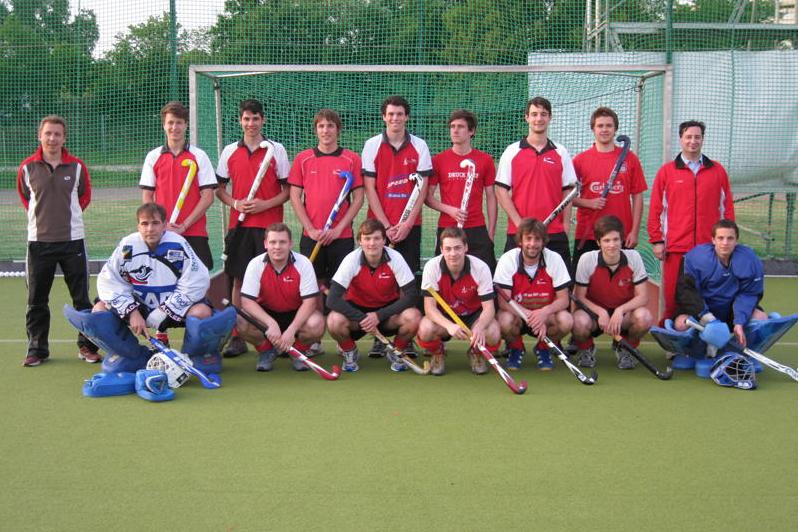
735	371
716	333
174	373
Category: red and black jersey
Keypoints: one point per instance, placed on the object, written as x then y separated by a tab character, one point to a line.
370	287
163	173
605	287
391	168
536	179
239	165
279	291
318	175
532	287
464	294
451	177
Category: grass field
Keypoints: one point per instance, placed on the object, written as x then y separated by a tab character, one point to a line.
382	451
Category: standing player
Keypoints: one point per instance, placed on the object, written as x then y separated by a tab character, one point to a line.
538	280
372	290
280	290
593	168
465	283
611	281
388	160
315	185
534	175
55	188
239	162
451	175
689	195
163	175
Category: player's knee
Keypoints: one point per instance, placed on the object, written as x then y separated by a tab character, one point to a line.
642	318
337	323
582	324
249	332
507	321
200	311
99	306
564	321
426	330
410	317
493	333
314	327
680	322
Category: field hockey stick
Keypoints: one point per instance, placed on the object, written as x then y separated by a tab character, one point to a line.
734	344
471	175
508	380
412	200
627	143
210	381
418	370
349	178
181	198
563	204
626	346
292	351
584	379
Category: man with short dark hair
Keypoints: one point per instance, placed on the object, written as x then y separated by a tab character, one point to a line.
533	177
689	195
55	189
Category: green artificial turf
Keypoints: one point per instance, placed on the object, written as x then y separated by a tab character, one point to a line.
377	450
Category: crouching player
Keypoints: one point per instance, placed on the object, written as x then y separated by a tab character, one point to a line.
154	280
465	283
537	278
611	282
280	290
373	289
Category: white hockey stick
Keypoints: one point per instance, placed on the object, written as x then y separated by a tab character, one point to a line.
264	165
413	199
181	198
564	203
471	175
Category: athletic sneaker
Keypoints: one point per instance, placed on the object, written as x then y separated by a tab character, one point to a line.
545	363
31	361
586	358
625	360
438	364
514	358
350	360
316	350
377	349
266	360
235	347
478	366
298	365
92	357
396	363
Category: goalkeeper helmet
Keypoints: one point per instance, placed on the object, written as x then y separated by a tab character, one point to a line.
176	375
734	370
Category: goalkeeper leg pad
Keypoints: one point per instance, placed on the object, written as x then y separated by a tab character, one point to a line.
205	337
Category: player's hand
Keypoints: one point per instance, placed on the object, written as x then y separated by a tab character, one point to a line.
314	234
631	241
603	319
370	322
537	321
273	333
332	235
455	331
477	336
285	342
659	251
739	334
596	203
458	215
401	232
176	228
249	206
614	324
136	322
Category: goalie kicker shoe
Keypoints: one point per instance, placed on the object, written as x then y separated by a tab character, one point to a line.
586	358
350	360
266	360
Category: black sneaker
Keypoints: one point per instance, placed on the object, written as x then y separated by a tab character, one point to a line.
377	349
235	347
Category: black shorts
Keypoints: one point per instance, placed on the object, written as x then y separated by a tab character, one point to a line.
410	249
329	257
468	319
479	245
558	243
283	319
200	246
241	245
382	326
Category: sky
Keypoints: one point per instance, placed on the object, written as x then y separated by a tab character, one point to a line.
114	16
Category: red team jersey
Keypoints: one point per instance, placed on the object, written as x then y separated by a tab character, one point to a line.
391	168
533	289
239	165
464	294
373	287
280	291
165	174
593	169
536	180
606	288
451	177
317	174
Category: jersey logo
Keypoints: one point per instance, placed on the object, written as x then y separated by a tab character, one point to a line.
548	160
67	178
174	255
409	160
139	275
288	279
383	275
127	253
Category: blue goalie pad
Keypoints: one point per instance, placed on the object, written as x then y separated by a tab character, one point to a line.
110	384
153	385
679	342
112	335
703	367
760	335
204	339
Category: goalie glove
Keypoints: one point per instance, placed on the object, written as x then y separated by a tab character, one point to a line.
161	319
716	333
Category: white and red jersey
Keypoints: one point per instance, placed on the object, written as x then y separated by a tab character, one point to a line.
370	287
607	288
532	286
464	294
536	179
391	168
593	169
239	165
283	290
451	177
318	175
164	174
